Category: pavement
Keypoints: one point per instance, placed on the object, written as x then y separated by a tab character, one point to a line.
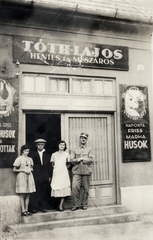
140	230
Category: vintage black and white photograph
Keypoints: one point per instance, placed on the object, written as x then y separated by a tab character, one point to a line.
76	128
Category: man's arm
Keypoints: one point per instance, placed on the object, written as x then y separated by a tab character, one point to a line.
88	159
75	160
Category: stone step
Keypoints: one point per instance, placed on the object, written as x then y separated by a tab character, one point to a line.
68	214
93	220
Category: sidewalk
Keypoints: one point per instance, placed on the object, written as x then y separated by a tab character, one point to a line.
141	230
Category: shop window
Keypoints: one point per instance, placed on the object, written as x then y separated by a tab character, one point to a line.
108	87
82	86
86	86
58	85
33	83
76	86
98	87
40	84
28	83
47	84
103	87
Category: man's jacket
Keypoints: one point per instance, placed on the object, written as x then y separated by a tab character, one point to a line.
42	172
83	167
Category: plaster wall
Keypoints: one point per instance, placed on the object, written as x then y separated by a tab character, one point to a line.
10	211
138	199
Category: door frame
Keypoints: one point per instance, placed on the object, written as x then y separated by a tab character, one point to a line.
112	121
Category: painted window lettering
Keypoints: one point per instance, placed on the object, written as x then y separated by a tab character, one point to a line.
7	148
7	133
137	130
132	125
135	136
7	124
135	144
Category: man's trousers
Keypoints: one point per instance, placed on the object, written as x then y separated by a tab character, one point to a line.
78	182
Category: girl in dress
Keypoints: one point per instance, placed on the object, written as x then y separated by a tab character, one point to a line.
60	183
25	185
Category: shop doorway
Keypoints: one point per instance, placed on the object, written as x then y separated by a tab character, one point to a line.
100	128
46	126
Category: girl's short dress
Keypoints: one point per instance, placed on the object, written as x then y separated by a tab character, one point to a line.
24	182
60	183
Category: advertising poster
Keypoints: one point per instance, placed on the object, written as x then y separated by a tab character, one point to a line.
8	122
135	128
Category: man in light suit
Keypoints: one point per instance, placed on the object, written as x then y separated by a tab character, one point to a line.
42	176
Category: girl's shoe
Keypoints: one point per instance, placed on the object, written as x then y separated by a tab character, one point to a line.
28	213
60	209
24	214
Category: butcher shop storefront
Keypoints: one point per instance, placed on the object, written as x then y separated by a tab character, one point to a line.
78	94
57	83
60	106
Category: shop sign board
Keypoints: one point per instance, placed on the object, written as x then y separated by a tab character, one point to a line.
57	52
135	127
8	122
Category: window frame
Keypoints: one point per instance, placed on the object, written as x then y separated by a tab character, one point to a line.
70	84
